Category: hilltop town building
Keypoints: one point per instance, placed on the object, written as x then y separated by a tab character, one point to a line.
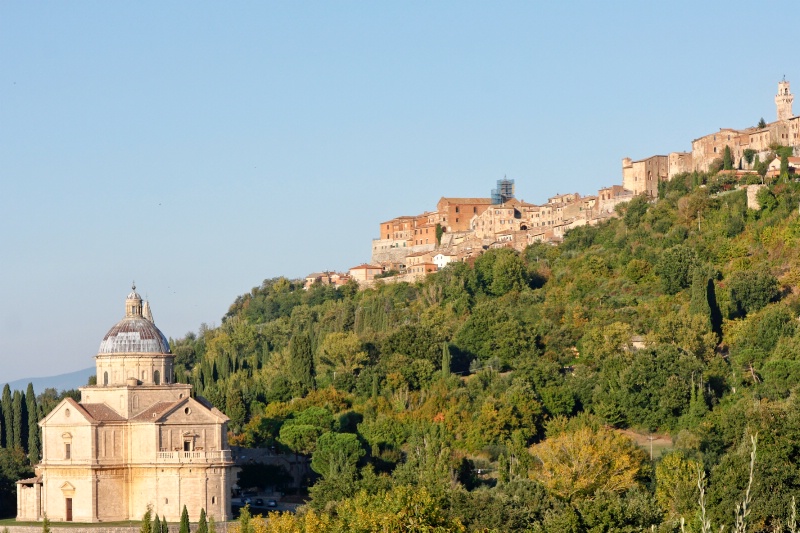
136	439
784	131
469	226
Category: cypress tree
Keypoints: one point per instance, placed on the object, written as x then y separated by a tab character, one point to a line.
2	428
184	521
202	526
164	525
8	417
33	425
147	521
156	525
445	360
212	525
727	158
17	407
301	363
699	296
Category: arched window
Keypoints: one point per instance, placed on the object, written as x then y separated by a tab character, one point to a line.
157	377
105	378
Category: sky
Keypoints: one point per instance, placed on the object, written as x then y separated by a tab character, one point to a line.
200	148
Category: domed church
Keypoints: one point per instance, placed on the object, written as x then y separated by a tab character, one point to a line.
135	439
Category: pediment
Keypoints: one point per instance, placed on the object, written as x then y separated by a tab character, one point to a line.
67	412
191	411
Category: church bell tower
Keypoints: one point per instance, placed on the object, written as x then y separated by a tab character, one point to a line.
783	100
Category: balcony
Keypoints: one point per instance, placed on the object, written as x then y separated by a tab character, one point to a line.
217	456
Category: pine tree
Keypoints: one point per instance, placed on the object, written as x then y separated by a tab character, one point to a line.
8	417
184	521
17	408
202	526
33	425
45	524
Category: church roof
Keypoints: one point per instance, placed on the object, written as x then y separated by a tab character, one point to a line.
102	413
136	333
154	412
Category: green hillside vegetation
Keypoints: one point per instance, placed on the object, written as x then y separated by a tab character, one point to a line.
495	392
493	396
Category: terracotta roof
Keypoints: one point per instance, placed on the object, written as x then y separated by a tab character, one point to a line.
467	200
154	412
101	412
366	267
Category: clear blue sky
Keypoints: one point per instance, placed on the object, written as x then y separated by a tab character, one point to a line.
202	147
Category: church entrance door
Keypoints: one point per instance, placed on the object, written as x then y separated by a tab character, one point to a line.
69	509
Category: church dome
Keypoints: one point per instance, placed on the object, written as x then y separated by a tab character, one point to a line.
134	333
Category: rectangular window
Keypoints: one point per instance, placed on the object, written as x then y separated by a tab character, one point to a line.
67	450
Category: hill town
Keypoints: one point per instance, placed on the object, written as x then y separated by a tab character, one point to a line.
410	247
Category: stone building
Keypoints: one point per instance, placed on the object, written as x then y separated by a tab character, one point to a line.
136	439
784	131
643	177
455	214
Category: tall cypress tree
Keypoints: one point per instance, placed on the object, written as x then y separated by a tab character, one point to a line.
8	417
2	428
17	407
184	521
445	359
33	425
301	363
202	526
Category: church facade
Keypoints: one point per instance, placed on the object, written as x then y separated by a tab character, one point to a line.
136	439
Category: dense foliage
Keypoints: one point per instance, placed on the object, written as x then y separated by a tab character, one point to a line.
501	395
498	390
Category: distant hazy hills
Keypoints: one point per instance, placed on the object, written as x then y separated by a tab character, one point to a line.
73	380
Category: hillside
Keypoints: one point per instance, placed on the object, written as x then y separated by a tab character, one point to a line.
502	395
678	317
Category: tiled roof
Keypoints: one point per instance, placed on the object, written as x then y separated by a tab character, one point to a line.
153	412
101	412
467	200
366	266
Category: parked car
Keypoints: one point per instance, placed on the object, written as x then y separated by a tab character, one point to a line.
272	503
259	502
